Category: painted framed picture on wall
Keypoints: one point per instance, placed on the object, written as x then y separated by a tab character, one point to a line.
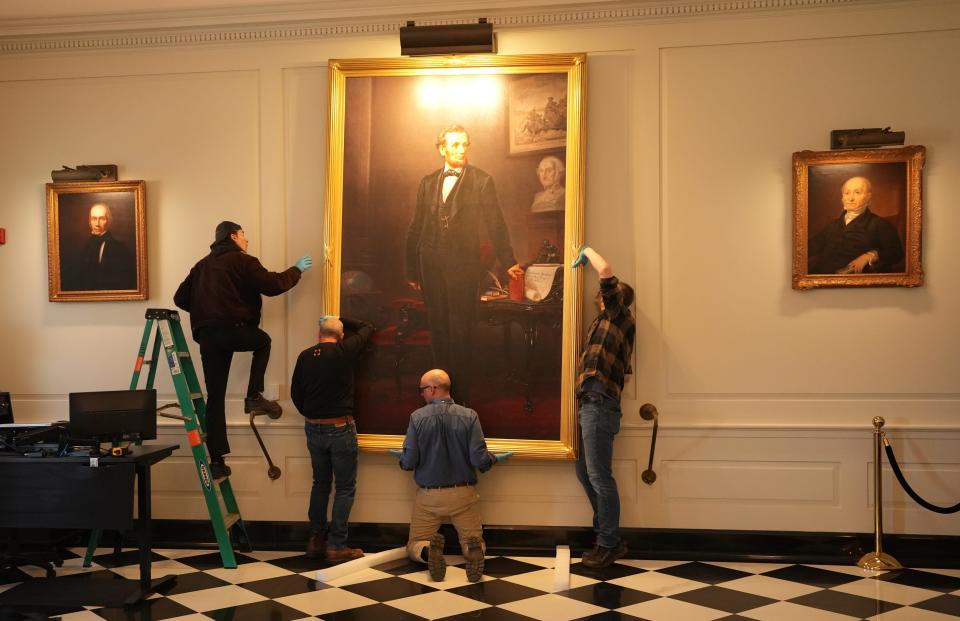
96	241
857	218
433	237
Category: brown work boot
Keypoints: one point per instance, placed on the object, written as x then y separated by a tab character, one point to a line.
316	545
474	556
341	554
259	405
436	563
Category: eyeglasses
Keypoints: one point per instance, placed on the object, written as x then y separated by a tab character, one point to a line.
422	388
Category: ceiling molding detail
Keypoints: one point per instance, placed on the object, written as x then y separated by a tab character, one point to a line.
131	32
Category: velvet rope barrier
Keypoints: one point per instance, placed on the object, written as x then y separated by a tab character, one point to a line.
906	486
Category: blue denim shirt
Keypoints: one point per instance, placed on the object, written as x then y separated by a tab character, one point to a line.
445	445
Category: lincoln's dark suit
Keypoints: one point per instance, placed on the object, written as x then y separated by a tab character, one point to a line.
443	255
838	243
102	263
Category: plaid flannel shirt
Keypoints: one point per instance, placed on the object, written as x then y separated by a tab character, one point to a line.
606	356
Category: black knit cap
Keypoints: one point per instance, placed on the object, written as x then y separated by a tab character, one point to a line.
224	230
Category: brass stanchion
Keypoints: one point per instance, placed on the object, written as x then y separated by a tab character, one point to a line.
878	560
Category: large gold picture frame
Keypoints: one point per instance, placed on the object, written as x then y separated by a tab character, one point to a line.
834	247
386	118
96	241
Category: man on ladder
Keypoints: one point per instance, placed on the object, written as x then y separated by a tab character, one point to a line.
222	293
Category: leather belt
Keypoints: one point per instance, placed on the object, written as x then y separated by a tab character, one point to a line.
447	486
339	421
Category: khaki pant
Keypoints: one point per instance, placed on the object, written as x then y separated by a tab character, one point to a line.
431	506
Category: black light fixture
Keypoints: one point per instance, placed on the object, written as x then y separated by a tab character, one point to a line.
447	39
865	138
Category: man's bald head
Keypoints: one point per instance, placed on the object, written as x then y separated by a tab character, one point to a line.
331	329
437	379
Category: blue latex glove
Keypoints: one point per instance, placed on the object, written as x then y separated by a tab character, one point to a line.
395	452
323	318
304	263
581	259
502	457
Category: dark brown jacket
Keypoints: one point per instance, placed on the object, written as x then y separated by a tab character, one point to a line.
224	288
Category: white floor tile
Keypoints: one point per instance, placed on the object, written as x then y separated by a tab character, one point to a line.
83	615
193	617
271	555
886	591
750	568
248	572
850	570
552	608
785	611
319	603
664	609
158	569
364	575
178	553
70	567
647	564
657	583
456	577
542	580
770	587
216	598
912	614
946	572
436	605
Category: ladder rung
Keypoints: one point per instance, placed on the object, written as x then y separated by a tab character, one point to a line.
230	519
196	395
183	354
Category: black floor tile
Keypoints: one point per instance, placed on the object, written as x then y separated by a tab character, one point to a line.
374	612
148	610
608	615
35	611
845	604
387	589
13	575
282	586
299	563
607	595
704	572
491	614
617	570
727	600
945	604
812	576
502	566
401	567
196	581
213	560
496	592
922	579
129	557
258	611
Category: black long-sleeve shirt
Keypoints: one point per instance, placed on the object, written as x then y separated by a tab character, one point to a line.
323	384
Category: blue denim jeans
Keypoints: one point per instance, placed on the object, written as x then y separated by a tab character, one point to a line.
333	452
599	418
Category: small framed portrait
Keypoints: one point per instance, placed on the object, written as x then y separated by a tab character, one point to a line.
857	218
96	241
538	112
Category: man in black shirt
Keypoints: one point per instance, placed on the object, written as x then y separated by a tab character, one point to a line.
322	390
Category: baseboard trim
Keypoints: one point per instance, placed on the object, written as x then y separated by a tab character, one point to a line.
934	551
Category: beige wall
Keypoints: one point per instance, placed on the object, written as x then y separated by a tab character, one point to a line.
766	394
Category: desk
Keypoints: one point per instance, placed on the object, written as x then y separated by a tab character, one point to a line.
66	492
531	317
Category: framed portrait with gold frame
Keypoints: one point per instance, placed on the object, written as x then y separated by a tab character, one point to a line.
431	236
96	241
857	218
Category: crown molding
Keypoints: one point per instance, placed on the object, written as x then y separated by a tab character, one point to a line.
326	19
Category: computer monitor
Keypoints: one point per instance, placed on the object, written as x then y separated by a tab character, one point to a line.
113	415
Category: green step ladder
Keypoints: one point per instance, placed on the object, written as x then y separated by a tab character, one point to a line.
222	506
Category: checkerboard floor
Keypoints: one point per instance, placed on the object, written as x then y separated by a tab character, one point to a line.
280	586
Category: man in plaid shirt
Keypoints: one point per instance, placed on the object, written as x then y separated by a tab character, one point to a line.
603	365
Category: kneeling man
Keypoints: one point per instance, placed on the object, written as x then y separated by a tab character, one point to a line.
444	447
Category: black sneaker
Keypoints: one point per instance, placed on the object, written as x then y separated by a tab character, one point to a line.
435	561
259	405
219	469
474	556
601	556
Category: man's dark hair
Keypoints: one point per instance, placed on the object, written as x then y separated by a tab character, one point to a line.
627	292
